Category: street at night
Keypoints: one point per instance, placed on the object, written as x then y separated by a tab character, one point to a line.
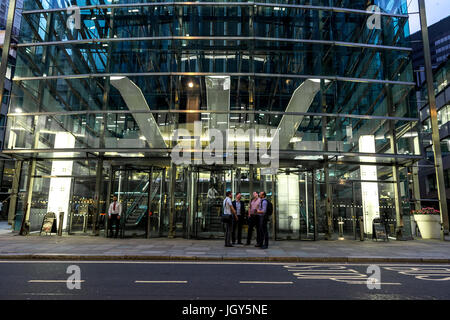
220	280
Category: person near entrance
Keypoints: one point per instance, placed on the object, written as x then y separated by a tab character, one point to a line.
212	197
212	194
229	214
114	213
263	221
253	219
239	207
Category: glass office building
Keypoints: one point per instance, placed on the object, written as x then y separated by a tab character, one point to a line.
104	91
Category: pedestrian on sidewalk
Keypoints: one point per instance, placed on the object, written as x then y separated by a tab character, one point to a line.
239	207
253	218
229	214
263	221
114	213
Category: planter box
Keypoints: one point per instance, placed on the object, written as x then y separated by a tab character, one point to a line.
429	225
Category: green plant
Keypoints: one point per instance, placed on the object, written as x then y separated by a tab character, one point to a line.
427	210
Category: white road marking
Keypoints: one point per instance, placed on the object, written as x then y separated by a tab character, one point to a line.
338	273
365	283
266	282
145	281
424	272
54	281
44	294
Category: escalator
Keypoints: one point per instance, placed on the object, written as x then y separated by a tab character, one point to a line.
135	214
140	197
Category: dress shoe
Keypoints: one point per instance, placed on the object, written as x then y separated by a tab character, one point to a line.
264	247
257	245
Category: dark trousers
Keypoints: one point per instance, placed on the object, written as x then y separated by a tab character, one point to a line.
237	227
253	224
228	229
263	230
116	222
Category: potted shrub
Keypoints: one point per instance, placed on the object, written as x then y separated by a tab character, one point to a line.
429	222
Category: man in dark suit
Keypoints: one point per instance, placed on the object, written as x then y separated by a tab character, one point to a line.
239	206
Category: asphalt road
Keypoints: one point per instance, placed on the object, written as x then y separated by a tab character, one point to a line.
25	280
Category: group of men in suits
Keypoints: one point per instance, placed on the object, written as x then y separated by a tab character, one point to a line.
255	215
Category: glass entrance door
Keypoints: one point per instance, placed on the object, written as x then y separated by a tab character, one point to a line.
81	208
139	191
346	209
211	186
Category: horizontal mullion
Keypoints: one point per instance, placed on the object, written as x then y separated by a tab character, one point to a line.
193	151
215	38
223	4
199	74
308	114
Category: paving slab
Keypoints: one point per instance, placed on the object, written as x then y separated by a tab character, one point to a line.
87	247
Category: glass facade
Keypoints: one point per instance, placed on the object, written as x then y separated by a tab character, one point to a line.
427	173
100	88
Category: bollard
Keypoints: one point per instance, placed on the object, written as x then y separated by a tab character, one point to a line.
361	229
60	224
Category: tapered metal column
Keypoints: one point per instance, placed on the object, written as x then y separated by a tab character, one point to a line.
29	197
314	189
250	181
3	69
442	197
191	201
31	171
328	190
395	169
15	191
6	45
275	206
149	203
173	172
162	205
108	198
353	211
238	180
415	175
98	193
233	187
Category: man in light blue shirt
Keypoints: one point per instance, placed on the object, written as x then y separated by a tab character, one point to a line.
262	221
229	213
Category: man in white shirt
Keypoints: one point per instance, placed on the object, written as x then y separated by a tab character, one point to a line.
229	213
212	194
114	213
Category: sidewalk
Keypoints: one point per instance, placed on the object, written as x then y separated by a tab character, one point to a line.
13	246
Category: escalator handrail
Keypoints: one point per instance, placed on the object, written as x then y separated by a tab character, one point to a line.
137	201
